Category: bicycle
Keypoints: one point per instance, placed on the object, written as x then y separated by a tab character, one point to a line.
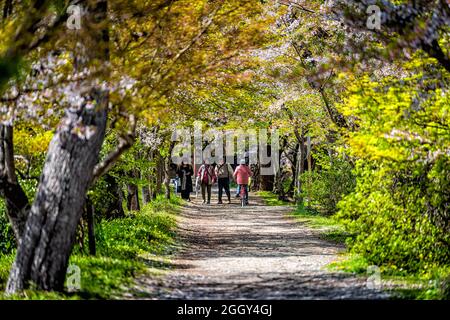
244	195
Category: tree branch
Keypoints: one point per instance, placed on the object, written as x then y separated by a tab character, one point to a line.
297	5
125	143
26	177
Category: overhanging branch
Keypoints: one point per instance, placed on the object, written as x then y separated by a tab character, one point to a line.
125	143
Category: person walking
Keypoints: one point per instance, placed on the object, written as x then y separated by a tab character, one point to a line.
224	172
207	178
242	175
185	173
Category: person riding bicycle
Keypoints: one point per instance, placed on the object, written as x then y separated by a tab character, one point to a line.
242	175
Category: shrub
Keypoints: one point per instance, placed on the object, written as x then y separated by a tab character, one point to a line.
392	213
7	241
325	187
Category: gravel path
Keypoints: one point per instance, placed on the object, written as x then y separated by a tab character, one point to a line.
257	252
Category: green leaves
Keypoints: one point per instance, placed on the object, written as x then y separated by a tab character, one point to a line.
390	213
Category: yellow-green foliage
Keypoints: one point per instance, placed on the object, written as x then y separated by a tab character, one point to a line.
399	210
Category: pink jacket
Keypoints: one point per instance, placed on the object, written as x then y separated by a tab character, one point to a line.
206	174
242	174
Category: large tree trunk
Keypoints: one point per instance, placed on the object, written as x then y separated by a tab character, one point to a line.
256	178
44	250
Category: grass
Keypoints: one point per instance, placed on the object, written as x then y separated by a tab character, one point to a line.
271	199
329	228
123	246
430	286
433	285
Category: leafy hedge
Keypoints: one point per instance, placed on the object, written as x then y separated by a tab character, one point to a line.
393	214
324	187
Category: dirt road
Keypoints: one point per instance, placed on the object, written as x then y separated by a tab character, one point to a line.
257	252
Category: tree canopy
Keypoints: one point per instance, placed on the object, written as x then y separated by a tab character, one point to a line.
91	92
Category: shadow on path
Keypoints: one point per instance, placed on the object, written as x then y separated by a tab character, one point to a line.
256	252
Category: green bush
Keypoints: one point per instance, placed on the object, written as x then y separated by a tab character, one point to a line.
324	187
395	217
5	264
7	241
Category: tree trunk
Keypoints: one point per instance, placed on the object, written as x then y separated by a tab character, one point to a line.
167	181
278	187
151	178
309	162
159	175
133	198
17	204
151	188
44	250
115	205
256	178
167	170
266	182
7	8
301	167
146	195
145	190
297	173
294	167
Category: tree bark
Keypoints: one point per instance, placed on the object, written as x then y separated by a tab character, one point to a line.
145	190
294	168
166	183
146	195
44	250
301	166
279	176
159	175
167	170
266	182
115	207
17	204
133	198
7	8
